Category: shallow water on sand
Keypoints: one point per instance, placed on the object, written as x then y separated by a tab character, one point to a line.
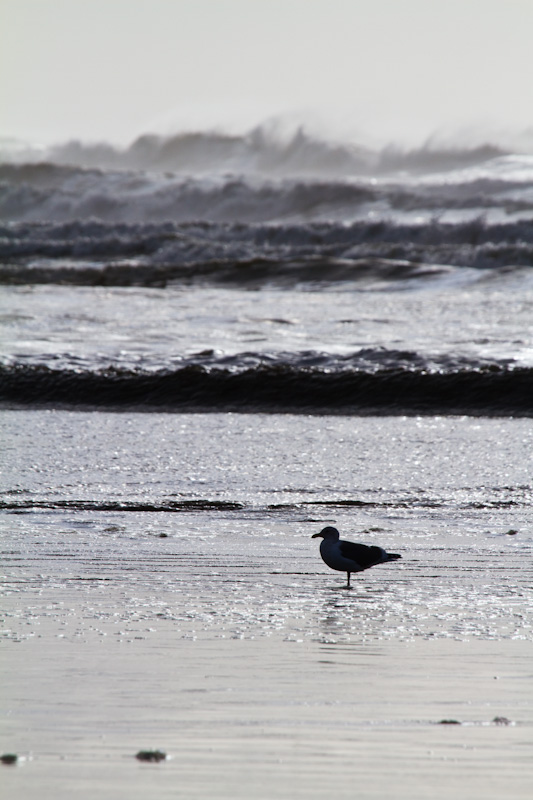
161	590
145	328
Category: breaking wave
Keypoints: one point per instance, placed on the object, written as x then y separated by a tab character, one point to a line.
370	382
369	254
47	192
260	208
264	150
259	177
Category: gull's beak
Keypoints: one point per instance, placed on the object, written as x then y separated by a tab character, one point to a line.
315	535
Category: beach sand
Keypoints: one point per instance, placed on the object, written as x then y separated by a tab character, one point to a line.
268	718
218	636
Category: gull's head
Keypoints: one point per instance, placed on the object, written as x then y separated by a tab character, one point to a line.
332	534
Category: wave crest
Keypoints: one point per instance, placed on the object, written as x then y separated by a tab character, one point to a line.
400	385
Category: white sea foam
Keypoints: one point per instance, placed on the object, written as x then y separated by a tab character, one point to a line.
50	193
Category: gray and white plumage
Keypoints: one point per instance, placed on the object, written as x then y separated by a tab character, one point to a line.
350	557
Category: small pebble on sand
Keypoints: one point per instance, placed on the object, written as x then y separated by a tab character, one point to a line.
151	755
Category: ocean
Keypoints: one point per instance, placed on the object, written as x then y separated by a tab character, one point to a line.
241	273
213	346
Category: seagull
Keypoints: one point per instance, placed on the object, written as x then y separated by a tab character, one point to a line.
349	556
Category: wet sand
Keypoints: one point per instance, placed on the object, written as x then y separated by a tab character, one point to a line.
268	718
217	635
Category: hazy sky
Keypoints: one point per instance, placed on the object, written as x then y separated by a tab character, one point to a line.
117	68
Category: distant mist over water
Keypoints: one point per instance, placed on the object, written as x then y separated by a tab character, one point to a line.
286	146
